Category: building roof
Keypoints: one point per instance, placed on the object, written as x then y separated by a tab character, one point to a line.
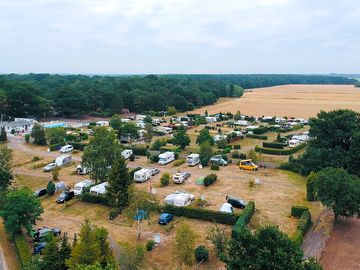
15	123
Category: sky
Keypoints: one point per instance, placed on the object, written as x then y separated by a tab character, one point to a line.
179	36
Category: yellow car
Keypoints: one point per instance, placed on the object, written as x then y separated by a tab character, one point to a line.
247	164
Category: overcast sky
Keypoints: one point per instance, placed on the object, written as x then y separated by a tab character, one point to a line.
179	36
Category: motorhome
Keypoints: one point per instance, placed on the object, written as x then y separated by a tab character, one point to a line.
140	124
241	123
142	175
140	117
165	130
99	189
63	160
302	137
102	123
293	143
156	122
125	120
79	187
166	158
210	119
127	153
192	159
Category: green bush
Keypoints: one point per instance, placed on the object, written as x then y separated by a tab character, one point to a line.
255	136
165	179
201	254
260	130
302	227
294	165
179	162
201	213
245	217
22	249
273	145
235	154
298	237
150	245
91	198
35	158
210	179
242	156
154	159
78	145
214	167
237	146
139	151
297	210
114	213
27	137
280	151
57	146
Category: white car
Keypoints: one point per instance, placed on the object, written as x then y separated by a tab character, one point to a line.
180	177
49	167
66	148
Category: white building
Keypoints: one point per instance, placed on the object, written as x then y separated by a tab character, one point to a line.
19	125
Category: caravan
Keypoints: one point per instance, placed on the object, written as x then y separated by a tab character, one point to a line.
63	160
166	158
79	187
293	143
126	153
142	175
100	189
193	159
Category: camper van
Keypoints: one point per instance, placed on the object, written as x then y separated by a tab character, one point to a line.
102	123
79	187
63	160
193	159
166	158
241	123
210	119
156	122
142	175
140	117
99	189
140	124
165	130
293	143
127	153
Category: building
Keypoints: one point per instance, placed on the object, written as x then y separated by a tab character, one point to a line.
19	125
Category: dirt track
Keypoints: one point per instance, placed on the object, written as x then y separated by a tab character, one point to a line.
301	101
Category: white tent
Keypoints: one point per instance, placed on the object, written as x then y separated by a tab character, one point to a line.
99	189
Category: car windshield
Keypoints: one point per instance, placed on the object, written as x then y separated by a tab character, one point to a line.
162	159
62	196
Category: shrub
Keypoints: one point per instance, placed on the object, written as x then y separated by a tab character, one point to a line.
27	137
242	156
179	162
139	151
294	165
302	227
214	167
114	213
91	198
237	146
201	213
35	158
280	151
132	171
22	249
132	157
273	145
78	145
201	254
154	159
150	245
297	210
260	130
298	237
165	179
12	131
235	154
55	174
210	179
57	146
245	217
255	136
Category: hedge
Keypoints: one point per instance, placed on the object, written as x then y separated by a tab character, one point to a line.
280	151
245	217
237	146
298	210
78	145
254	136
170	149
91	198
302	227
210	179
22	249
260	130
214	167
273	145
57	146
200	213
139	151
179	162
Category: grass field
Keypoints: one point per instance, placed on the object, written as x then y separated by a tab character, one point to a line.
289	100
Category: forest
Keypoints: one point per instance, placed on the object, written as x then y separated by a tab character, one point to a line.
45	95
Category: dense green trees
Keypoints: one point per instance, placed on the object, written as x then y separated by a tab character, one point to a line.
3	136
38	134
180	138
204	136
55	135
205	153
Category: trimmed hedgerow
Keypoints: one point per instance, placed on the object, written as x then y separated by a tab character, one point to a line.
302	227
210	179
22	249
255	136
214	167
91	198
297	210
273	145
139	151
280	151
260	130
245	217
78	145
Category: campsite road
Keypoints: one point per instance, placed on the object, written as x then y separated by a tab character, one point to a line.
2	261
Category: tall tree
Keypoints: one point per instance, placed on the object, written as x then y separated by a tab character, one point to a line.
100	153
3	136
205	153
132	257
51	258
149	133
64	251
106	257
21	210
5	157
131	130
204	136
181	138
184	244
38	134
55	135
119	183
5	178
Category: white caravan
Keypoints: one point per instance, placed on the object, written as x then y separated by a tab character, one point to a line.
63	160
99	189
241	123
140	117
226	208
166	158
142	175
210	119
102	123
165	130
182	199
127	153
294	143
193	159
79	187
140	124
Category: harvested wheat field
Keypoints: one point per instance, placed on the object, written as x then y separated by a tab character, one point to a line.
302	101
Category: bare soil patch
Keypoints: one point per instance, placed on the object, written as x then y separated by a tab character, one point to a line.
290	100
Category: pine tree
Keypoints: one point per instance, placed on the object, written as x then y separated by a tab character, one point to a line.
119	182
52	260
3	136
50	189
181	138
64	251
101	235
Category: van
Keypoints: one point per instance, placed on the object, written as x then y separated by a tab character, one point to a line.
143	175
166	158
193	159
63	160
241	123
127	153
66	148
79	187
156	122
247	164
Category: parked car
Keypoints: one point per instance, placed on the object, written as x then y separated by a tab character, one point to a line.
82	170
247	164
41	234
165	218
218	160
236	202
65	196
40	192
66	148
180	177
155	171
49	167
39	247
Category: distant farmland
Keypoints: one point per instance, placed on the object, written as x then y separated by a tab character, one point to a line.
290	100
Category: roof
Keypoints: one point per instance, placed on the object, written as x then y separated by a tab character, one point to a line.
100	187
15	123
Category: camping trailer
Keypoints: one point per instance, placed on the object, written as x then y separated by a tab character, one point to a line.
241	123
193	159
127	153
165	130
63	160
102	123
166	158
182	199
142	175
210	119
99	189
294	143
79	187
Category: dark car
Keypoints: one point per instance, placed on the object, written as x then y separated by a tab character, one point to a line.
155	171
236	202
40	192
165	218
65	196
39	248
41	235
